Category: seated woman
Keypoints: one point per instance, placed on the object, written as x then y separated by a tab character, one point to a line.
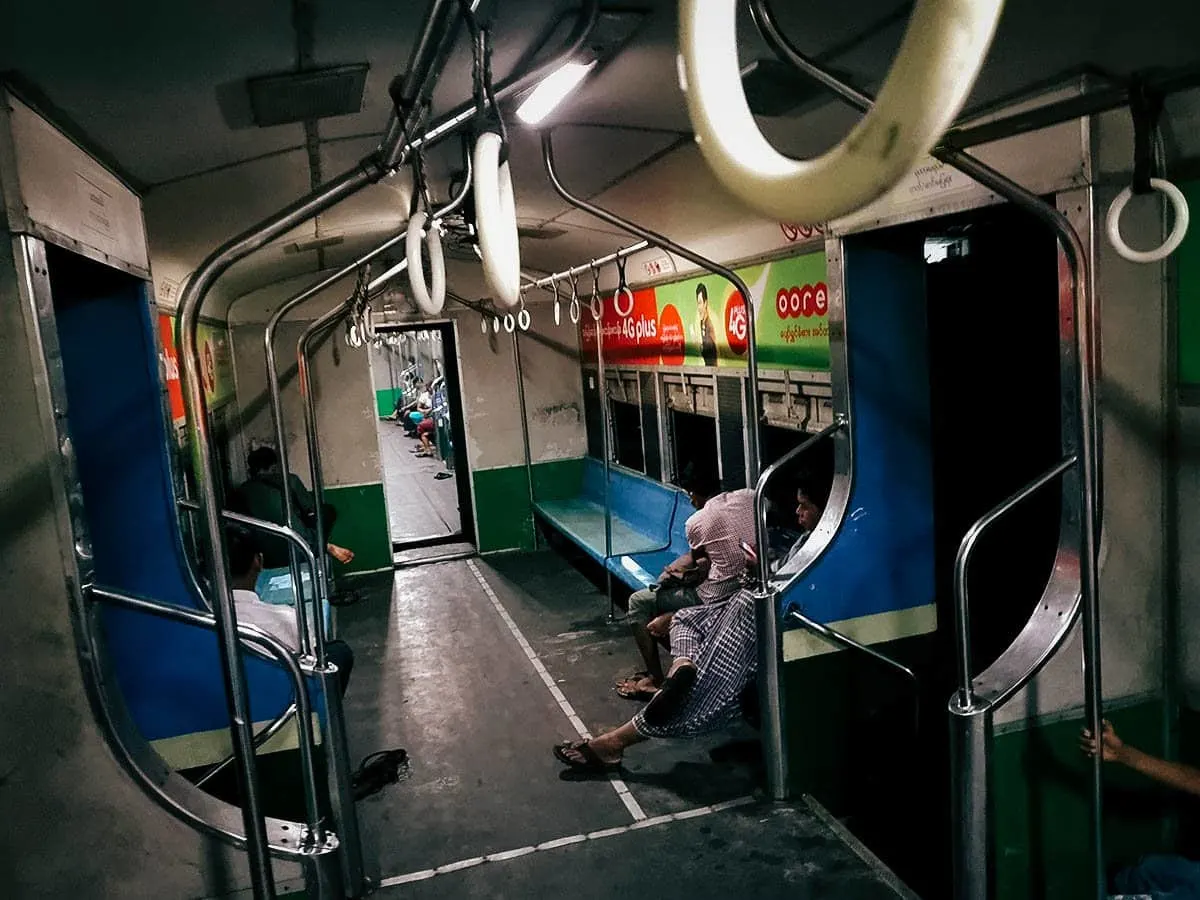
716	659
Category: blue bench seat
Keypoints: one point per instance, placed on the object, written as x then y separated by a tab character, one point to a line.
647	522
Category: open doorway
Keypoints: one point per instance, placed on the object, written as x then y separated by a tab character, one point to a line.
422	446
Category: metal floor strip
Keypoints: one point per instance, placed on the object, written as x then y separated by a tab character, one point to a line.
566	841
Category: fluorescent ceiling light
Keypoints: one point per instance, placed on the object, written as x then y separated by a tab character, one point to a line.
551	91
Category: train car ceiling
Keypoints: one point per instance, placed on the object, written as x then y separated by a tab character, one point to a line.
92	63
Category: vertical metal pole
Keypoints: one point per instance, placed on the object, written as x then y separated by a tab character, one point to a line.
1085	363
289	519
970	802
337	743
602	389
525	429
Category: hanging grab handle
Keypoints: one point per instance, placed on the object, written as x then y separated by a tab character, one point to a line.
1146	107
942	52
1174	239
557	304
596	305
430	298
496	221
574	300
623	291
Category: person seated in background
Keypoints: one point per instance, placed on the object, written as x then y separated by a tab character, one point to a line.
261	496
1163	877
425	431
708	572
245	565
716	659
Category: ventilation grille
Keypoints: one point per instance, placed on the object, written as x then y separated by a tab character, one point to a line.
302	96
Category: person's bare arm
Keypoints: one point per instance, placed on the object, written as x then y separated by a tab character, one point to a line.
1177	775
680	565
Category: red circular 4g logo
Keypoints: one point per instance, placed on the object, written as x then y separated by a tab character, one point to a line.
736	323
670	335
807	300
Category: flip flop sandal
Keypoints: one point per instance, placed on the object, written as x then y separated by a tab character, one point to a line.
590	762
378	770
634	693
671	696
636	676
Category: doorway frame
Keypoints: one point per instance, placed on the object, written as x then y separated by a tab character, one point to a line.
447	329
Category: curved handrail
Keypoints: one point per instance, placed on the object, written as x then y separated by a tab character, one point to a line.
1089	487
307	645
962	562
760	492
263	644
934	70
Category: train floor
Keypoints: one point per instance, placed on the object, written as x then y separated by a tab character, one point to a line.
420	503
477	668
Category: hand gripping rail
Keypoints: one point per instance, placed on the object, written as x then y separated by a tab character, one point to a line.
311	843
935	68
393	149
972	882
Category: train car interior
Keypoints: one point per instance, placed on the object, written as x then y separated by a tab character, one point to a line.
528	448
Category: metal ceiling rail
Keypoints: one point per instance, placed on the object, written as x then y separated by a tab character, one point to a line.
972	857
624	252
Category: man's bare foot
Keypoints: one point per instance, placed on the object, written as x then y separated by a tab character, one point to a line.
637	688
341	554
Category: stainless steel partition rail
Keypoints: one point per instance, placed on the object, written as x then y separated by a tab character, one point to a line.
977	742
772	703
265	645
396	145
834	636
261	738
962	562
308	646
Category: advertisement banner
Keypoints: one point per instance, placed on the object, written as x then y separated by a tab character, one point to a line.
703	321
216	365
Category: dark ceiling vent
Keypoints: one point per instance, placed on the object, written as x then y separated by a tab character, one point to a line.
774	88
311	94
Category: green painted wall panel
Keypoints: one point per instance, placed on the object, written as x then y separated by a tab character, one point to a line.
1041	787
502	500
385	400
362	526
1188	261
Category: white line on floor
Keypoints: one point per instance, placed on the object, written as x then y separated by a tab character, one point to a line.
563	842
564	704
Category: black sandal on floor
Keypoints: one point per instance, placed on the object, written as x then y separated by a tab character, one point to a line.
378	770
590	762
